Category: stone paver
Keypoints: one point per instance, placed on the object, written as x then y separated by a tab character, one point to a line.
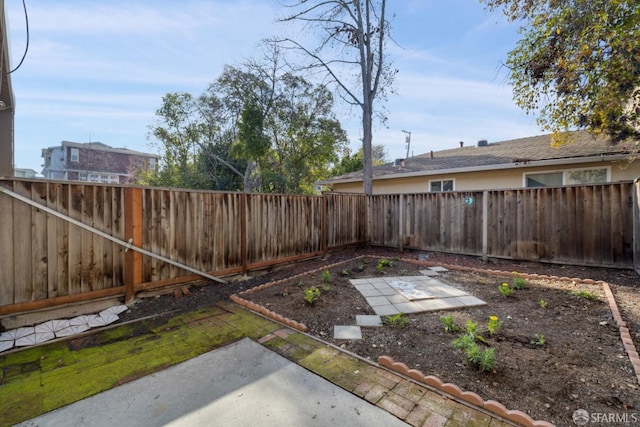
347	332
368	320
413	294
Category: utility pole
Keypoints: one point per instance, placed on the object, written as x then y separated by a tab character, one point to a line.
407	141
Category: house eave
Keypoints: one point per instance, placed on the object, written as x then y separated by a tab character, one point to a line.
502	166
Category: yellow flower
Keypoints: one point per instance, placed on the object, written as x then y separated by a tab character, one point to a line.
493	318
506	285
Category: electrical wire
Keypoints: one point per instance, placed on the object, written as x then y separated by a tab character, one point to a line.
26	49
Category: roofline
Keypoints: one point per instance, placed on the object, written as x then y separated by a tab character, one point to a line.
501	166
105	147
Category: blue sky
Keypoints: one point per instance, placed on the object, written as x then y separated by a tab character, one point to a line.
97	70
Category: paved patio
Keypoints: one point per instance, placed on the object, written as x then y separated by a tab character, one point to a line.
40	379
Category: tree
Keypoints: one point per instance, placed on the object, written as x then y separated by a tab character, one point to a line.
353	162
577	64
353	36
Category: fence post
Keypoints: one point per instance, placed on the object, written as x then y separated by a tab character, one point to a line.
324	243
636	225
485	224
243	232
400	222
133	234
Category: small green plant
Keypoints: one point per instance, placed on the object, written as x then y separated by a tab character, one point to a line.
326	276
493	325
519	283
403	272
473	354
382	263
344	272
361	267
505	290
396	320
449	324
300	284
586	295
311	294
542	303
538	340
472	328
325	288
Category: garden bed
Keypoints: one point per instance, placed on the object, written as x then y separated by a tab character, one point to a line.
557	350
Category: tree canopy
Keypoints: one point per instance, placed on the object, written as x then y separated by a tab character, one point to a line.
256	128
577	64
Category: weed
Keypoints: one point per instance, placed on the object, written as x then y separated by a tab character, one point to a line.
493	325
519	283
325	288
344	272
326	276
505	290
382	263
403	272
542	303
361	267
300	284
539	340
449	324
311	294
396	320
586	295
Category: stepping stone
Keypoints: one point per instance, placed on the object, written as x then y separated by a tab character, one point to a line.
6	345
368	320
72	330
52	326
429	273
347	332
438	269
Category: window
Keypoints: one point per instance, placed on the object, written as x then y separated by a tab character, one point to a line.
75	155
152	164
568	177
98	177
441	185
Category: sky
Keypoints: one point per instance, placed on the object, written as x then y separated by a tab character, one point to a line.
97	70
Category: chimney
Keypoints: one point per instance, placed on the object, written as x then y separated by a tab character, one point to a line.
432	154
483	143
461	144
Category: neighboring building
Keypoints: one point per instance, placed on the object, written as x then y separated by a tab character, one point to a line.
518	163
24	173
94	162
7	101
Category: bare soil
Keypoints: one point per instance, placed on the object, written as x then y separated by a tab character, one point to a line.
580	365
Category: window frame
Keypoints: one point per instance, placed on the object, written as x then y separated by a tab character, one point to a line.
442	181
565	174
74	155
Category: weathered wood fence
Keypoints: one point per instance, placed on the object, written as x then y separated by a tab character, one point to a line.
582	225
47	261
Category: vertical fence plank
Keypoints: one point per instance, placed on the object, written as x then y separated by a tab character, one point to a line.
7	246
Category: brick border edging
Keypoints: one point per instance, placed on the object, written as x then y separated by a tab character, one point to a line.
456	392
272	314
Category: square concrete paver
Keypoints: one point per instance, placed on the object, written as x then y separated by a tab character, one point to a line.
412	294
347	332
429	273
368	320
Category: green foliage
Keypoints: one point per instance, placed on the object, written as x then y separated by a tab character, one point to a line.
326	276
449	324
542	303
484	359
396	320
311	295
493	325
382	263
577	64
505	290
586	295
538	340
519	283
353	162
344	272
471	327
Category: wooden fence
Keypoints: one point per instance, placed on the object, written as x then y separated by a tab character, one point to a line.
582	225
46	260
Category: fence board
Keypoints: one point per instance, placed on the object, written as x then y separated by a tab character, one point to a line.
7	247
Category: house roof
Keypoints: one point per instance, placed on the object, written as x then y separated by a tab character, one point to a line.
522	152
